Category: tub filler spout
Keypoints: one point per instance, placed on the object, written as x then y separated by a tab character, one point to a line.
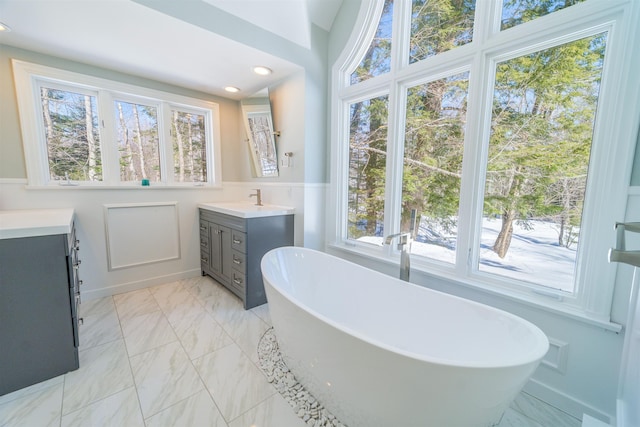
404	246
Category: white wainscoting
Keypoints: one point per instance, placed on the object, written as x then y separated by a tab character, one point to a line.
141	233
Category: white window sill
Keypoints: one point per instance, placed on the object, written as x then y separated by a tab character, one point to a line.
78	186
522	296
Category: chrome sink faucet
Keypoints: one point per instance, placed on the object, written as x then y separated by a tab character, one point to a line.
258	196
404	246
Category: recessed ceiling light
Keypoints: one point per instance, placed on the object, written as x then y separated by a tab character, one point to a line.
4	28
263	71
232	89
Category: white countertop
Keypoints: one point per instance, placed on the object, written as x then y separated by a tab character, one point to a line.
247	209
35	222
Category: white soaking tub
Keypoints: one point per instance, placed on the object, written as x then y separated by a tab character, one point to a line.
377	351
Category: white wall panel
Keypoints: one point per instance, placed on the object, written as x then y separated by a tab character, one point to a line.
139	234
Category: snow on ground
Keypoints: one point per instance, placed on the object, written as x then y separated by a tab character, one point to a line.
534	254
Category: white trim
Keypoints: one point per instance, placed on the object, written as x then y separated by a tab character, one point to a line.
357	46
108	291
558	399
29	77
559	363
145	254
127	186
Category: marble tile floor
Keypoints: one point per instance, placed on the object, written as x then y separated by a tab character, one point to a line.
180	354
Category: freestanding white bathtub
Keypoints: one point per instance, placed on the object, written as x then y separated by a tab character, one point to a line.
377	351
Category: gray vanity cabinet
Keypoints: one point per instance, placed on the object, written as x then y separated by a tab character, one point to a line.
231	249
39	297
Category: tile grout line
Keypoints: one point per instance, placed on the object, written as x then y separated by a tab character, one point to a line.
196	369
64	382
133	377
243	352
164	315
204	385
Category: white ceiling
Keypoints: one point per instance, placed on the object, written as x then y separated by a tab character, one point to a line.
126	36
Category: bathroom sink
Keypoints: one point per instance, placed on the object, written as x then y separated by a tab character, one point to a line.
246	209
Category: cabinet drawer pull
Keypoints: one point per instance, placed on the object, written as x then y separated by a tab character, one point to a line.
203	228
204	243
76	245
236	241
237	281
236	261
205	260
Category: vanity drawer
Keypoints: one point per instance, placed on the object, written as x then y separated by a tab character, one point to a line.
204	260
204	230
238	241
204	243
238	280
238	261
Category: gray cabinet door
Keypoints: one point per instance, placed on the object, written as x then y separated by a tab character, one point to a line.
215	240
226	260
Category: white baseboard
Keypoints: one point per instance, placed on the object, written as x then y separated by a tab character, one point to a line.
564	402
139	284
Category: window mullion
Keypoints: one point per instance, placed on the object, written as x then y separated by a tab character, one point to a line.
474	165
165	143
395	152
487	20
401	35
110	158
395	137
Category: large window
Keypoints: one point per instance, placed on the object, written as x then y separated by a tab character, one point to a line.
496	127
432	163
81	130
367	160
544	106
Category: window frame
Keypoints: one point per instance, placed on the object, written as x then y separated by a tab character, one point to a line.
29	77
593	296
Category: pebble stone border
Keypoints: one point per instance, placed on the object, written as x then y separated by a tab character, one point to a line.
277	372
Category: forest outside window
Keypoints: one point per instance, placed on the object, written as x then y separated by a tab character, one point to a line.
138	142
93	132
489	127
70	122
189	136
